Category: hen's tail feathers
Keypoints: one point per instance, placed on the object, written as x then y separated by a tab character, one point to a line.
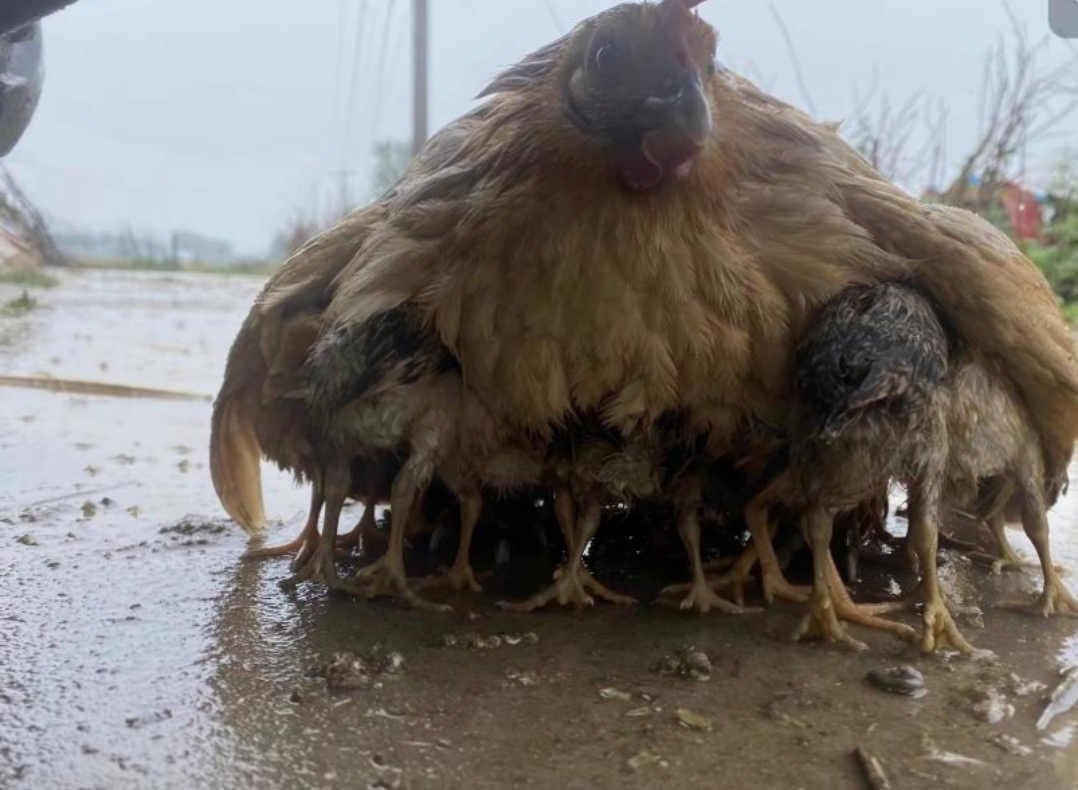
235	464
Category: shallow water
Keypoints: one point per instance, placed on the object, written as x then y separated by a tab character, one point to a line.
132	657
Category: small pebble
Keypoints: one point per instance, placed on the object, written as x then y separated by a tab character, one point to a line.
1011	745
693	721
902	679
688	663
644	759
991	706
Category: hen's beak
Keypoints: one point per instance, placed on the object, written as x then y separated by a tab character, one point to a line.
677	125
673	129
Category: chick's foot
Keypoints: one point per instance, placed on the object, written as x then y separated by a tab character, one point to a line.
573	586
459	577
319	567
387	579
821	623
596	588
1055	600
701	598
301	547
940	632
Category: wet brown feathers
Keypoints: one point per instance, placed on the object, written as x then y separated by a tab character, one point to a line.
558	290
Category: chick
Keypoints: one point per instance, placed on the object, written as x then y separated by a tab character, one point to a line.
590	467
871	406
993	441
389	386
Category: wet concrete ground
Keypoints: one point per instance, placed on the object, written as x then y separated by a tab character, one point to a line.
136	650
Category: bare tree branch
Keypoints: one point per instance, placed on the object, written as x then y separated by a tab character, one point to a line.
799	74
22	219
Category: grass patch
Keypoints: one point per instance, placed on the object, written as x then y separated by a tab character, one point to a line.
27	278
20	305
253	267
1070	312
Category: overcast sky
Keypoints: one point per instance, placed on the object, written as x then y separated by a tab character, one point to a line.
225	117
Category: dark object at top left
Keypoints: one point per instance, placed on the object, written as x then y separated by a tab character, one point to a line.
21	76
21	68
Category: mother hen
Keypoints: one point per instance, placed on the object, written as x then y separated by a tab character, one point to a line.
631	229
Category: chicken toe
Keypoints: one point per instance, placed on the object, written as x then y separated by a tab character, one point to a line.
386	578
701	598
461	576
573	583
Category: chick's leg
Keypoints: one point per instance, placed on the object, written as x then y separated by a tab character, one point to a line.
461	576
701	598
1055	597
1005	558
573	584
939	629
365	535
304	543
739	573
771	576
387	577
321	566
821	621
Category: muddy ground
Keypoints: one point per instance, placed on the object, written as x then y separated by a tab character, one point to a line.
137	650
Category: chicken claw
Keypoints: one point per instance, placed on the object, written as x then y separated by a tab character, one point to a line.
701	598
940	631
458	577
772	579
830	603
319	568
821	622
461	576
573	583
1054	600
296	547
572	587
386	578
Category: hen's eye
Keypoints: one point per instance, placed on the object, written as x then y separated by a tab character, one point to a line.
606	58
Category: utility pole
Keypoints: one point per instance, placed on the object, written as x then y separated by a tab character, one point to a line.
344	194
420	72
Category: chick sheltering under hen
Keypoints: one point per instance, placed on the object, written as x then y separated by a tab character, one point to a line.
884	395
623	227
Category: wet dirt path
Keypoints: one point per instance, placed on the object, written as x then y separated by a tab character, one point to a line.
136	650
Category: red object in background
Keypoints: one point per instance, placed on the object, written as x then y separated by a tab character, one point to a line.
1027	220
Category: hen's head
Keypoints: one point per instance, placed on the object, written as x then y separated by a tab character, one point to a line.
635	79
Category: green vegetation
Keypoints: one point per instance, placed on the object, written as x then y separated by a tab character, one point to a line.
27	278
1057	257
20	305
253	267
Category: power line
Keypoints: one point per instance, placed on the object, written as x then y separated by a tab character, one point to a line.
353	86
802	86
554	16
383	53
336	145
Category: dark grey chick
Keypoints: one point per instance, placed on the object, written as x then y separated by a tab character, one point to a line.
871	407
